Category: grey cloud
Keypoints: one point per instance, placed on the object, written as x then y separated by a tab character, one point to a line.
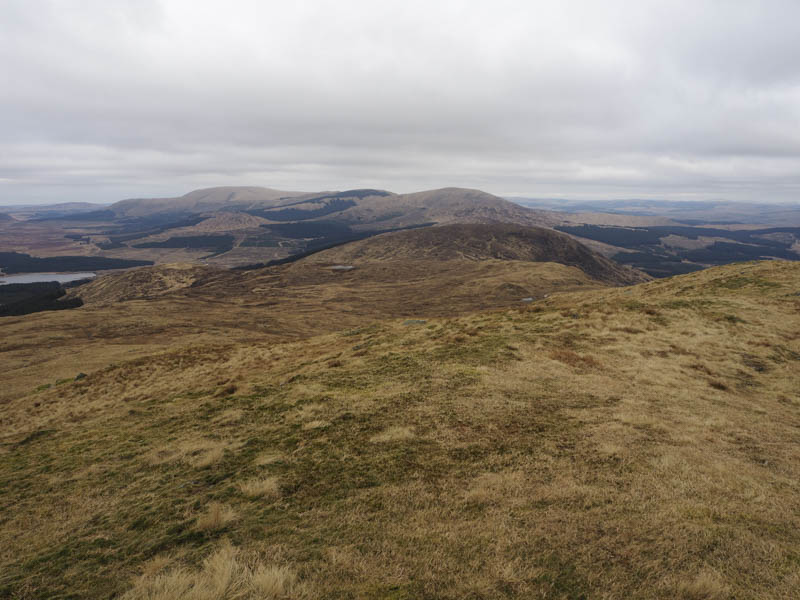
655	98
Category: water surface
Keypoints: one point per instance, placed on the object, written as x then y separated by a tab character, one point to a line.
39	277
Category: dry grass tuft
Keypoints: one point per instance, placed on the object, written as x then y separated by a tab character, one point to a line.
230	417
218	516
267	487
273	581
708	585
393	434
207	458
223	576
199	453
156	565
268	458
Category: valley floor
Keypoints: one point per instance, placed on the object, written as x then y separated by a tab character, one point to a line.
638	442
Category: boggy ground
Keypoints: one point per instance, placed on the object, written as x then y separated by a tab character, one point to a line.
617	443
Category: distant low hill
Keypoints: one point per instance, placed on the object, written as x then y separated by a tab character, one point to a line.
267	224
204	200
673	250
238	226
476	242
708	212
139	283
436	271
358	208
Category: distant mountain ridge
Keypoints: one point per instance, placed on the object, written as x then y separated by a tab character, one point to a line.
358	207
237	226
202	200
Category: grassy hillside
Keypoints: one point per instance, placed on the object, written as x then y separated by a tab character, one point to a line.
615	443
479	242
142	311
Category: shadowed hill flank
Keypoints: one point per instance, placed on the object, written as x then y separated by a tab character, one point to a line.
638	442
479	242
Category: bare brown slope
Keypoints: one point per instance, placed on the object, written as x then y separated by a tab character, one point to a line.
477	242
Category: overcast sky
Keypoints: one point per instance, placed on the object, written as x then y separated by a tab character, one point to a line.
108	99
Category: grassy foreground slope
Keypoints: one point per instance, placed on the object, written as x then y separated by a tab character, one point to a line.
635	442
135	313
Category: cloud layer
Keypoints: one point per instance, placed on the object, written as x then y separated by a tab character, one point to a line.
105	99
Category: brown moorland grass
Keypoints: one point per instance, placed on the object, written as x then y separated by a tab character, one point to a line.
269	305
528	472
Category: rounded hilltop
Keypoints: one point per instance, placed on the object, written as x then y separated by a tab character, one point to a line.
481	242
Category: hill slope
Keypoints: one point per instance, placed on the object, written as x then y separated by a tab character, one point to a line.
139	283
138	312
358	207
263	224
619	443
446	205
476	242
443	270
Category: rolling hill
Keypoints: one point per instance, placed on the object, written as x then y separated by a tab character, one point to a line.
234	226
477	242
615	442
237	226
201	201
149	309
358	207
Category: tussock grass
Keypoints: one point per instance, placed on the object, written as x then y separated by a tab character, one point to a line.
222	576
197	452
217	516
268	487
